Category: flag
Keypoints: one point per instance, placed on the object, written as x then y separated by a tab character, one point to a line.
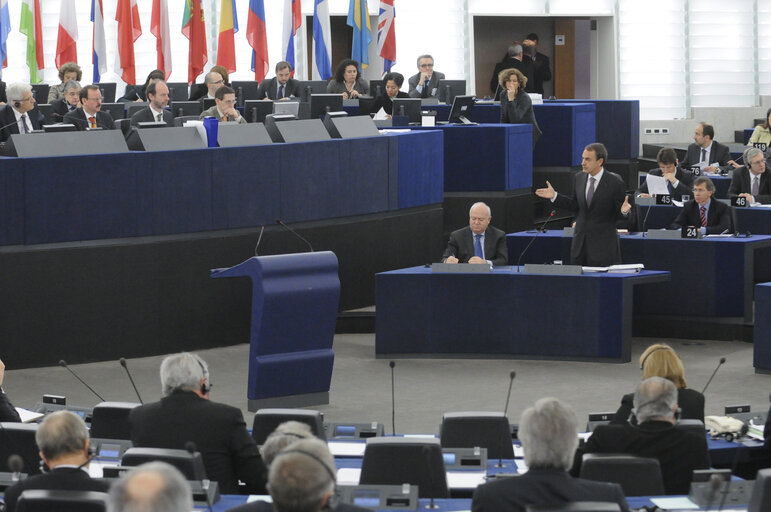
129	30
5	29
159	27
194	29
322	42
226	45
258	39
292	21
66	47
386	34
98	46
30	26
358	19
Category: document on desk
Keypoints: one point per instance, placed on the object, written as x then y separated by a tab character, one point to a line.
348	476
657	185
28	416
680	503
465	479
347	448
259	497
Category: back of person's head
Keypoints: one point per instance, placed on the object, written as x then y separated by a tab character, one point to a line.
151	487
397	78
302	477
549	434
532	36
655	397
666	156
154	76
285	434
515	50
661	360
183	372
61	433
16	91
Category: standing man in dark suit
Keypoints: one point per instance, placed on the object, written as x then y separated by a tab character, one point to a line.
63	442
7	410
541	63
69	102
19	115
158	95
598	201
751	180
679	181
186	414
281	87
479	242
425	83
708	154
711	216
514	59
89	115
549	434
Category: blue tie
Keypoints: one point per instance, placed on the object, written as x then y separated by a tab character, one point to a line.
478	247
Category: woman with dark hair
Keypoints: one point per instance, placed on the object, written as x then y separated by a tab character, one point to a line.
68	71
762	132
198	91
516	106
393	82
137	92
348	80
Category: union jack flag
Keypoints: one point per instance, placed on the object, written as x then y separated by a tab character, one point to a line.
386	34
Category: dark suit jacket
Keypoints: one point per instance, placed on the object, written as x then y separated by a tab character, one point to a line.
519	111
431	90
7	411
718	216
78	118
542	71
684	186
3	97
10	126
461	245
264	506
718	154
146	116
269	89
595	239
59	109
133	93
690	401
542	487
526	66
678	451
386	103
218	431
741	183
61	479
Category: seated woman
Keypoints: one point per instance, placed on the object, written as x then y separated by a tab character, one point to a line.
516	106
762	132
348	81
198	91
137	92
393	82
661	360
68	71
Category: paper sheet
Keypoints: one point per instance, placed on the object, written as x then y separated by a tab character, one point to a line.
347	448
465	479
381	115
680	503
348	476
657	185
259	497
28	416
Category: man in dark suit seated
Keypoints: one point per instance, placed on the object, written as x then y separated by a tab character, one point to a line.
711	216
281	87
63	442
186	414
678	451
89	115
549	434
751	180
479	242
71	101
425	83
158	95
708	154
679	181
19	115
7	410
151	487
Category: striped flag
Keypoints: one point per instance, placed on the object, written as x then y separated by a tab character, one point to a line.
66	46
30	26
358	19
386	34
129	30
194	29
5	29
258	39
322	42
159	27
98	46
292	21
226	45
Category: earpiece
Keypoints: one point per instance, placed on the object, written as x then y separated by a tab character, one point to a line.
17	104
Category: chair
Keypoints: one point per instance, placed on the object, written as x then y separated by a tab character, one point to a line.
186	108
19	439
116	110
40	92
110	420
108	91
36	500
489	430
178	91
638	476
576	506
691	426
189	464
401	460
760	499
135	107
245	90
266	421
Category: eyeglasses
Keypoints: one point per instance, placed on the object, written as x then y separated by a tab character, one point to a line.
221	81
427	65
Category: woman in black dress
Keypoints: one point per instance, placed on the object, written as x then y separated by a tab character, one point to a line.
516	106
393	82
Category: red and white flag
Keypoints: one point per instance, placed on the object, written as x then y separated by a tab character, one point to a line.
129	30
66	46
159	26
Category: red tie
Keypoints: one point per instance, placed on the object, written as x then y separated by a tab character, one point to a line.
703	216
92	120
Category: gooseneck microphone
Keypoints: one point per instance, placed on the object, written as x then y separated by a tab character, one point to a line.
191	448
427	455
512	374
125	367
540	230
295	233
259	239
719	364
392	364
63	364
16	465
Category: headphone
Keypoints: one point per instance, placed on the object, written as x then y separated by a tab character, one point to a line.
332	501
642	363
91	455
206	386
17	104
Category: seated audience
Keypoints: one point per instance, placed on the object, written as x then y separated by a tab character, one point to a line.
710	216
138	93
63	442
479	242
158	96
285	434
548	431
186	414
90	114
709	154
425	83
678	451
516	106
211	82
7	410
151	487
679	181
348	81
392	83
70	71
224	108
19	115
69	102
762	133
751	180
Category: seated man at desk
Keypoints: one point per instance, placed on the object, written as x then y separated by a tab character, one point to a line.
89	115
679	181
225	107
711	216
425	83
751	180
158	95
709	154
69	101
549	434
282	86
479	242
19	115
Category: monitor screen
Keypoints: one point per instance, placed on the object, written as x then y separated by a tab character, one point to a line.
462	106
409	107
448	89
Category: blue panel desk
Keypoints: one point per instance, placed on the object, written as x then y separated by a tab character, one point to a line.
756	220
482	113
420	313
762	333
567	129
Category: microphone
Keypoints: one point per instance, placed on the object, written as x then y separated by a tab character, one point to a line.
719	364
512	374
714	486
240	96
295	233
63	364
259	238
9	125
645	219
392	364
192	449
427	454
16	465
540	230
125	367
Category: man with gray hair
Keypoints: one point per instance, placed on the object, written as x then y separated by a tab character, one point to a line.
62	439
69	101
19	115
425	83
514	59
479	242
186	414
151	487
678	451
751	180
549	434
285	434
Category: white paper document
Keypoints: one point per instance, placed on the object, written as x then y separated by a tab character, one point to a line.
381	115
657	185
347	448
